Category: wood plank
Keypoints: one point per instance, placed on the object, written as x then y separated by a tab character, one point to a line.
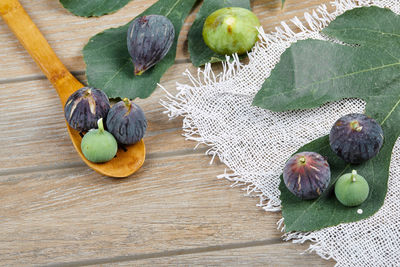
174	202
68	34
33	132
171	203
282	254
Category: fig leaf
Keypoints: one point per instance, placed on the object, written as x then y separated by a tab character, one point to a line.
109	66
200	53
93	8
311	73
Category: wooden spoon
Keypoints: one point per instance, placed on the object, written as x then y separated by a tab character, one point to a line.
126	162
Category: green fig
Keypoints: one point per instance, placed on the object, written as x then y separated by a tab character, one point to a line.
231	30
351	189
98	145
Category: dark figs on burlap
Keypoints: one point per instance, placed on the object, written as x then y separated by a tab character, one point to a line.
307	175
85	107
126	122
149	40
356	138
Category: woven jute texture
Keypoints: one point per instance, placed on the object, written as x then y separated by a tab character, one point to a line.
255	143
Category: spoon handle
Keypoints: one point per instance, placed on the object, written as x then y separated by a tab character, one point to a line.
126	162
33	41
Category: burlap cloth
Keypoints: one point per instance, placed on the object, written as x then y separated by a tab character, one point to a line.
255	143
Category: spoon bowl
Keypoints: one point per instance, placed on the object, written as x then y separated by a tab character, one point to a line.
128	159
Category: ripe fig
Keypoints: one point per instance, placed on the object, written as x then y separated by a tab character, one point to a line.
127	122
351	189
231	30
356	138
85	107
99	145
307	175
149	40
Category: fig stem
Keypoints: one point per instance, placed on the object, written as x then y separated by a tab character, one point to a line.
100	125
127	102
356	126
302	160
128	105
88	92
138	72
353	175
230	21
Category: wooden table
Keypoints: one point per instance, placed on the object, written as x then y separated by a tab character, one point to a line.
55	210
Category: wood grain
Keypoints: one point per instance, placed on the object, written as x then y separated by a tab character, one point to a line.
36	45
68	34
128	159
171	203
55	210
283	254
33	132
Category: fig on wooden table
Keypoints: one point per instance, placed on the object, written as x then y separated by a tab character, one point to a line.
356	138
307	175
149	39
231	30
98	145
127	122
85	107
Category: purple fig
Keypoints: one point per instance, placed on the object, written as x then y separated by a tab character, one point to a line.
126	121
356	138
149	40
85	107
307	175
